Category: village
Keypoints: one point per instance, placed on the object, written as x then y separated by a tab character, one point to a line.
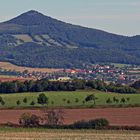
108	73
111	73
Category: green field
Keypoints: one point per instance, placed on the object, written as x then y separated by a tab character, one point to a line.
48	134
68	99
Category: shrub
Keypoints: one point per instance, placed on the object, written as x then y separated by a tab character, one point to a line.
29	120
1	99
25	100
83	102
98	123
18	102
108	101
32	103
76	100
89	98
68	101
128	99
91	124
123	100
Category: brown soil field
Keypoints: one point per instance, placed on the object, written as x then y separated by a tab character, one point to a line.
116	116
9	66
9	79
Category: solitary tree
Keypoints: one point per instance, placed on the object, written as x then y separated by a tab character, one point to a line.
32	103
53	117
42	99
91	97
25	100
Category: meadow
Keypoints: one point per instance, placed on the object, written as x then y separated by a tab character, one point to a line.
69	99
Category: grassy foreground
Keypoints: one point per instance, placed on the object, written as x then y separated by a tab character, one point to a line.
48	134
75	99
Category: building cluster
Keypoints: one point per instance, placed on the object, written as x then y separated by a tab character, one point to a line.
108	73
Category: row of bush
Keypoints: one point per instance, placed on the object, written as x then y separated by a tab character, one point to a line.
55	120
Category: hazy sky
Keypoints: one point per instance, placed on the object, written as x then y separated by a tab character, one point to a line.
117	16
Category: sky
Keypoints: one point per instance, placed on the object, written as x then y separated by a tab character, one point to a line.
115	16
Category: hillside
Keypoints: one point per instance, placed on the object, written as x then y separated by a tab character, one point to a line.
35	40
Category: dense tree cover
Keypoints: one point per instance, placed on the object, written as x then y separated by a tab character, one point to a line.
136	85
45	85
93	45
100	85
60	57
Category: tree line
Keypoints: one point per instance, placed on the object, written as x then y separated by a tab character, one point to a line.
76	84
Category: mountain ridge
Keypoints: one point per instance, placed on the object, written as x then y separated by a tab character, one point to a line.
62	45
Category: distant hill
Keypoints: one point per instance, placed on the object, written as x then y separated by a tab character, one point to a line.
35	40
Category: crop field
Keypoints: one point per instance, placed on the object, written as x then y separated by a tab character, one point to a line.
42	134
9	66
116	116
5	78
74	99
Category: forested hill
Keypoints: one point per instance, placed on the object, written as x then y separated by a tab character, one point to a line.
35	40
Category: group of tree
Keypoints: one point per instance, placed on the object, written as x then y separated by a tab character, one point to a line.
101	85
46	85
34	86
42	99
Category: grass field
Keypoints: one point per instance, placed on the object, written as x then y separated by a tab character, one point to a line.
46	134
75	99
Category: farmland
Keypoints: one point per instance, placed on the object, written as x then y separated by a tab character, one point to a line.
43	134
5	78
12	67
116	116
73	99
73	103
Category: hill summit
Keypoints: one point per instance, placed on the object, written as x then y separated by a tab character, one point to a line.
30	18
35	40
